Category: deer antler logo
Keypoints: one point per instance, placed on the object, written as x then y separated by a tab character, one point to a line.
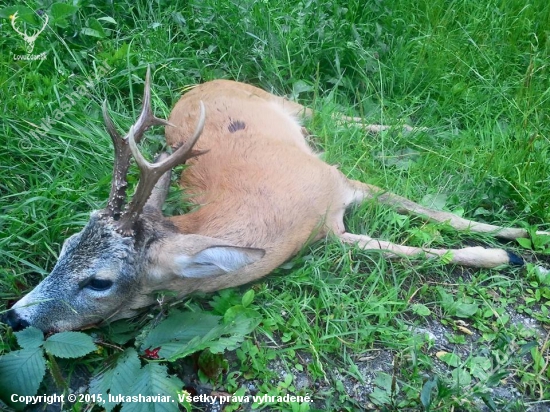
29	39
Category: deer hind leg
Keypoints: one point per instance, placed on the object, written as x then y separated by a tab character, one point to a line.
469	256
402	205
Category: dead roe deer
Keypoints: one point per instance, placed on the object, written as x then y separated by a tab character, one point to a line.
261	195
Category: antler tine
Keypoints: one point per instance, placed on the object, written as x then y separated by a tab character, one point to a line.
145	120
115	136
150	173
121	165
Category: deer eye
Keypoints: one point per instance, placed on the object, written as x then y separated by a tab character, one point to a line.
99	284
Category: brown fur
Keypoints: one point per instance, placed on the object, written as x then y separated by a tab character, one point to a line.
250	184
261	185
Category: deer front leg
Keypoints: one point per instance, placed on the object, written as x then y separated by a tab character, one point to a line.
299	111
375	128
406	206
469	256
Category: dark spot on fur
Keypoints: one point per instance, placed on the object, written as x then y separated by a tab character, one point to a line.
236	125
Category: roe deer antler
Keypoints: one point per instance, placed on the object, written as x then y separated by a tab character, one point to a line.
126	146
150	173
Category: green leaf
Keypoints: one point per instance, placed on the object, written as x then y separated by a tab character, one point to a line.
446	298
212	365
447	257
525	243
225	299
238	315
382	392
121	331
248	298
125	372
421	310
101	385
426	393
461	377
184	333
107	19
30	337
300	87
538	359
62	23
179	19
62	10
55	372
69	344
479	372
21	372
181	327
451	359
466	310
95	26
488	400
153	380
526	348
118	379
238	322
540	242
92	33
402	159
456	308
495	378
23	13
435	201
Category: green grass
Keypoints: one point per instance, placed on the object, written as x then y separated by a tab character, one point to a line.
475	74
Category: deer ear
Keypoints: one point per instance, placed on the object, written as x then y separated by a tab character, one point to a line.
216	261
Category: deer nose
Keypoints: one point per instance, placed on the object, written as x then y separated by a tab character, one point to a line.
12	319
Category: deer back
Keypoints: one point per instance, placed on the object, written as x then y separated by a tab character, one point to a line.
259	184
